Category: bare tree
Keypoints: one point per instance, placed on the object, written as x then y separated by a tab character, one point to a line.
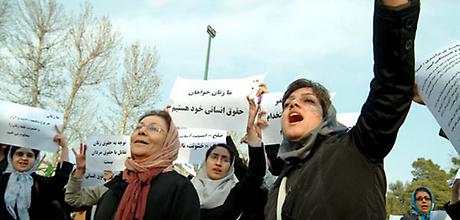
137	89
4	9
33	42
90	61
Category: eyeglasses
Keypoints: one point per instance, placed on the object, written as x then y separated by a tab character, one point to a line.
151	128
214	156
421	198
27	154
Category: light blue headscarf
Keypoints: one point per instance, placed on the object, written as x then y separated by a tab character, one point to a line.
415	211
18	191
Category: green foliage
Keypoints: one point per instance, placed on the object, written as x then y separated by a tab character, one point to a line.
398	198
456	162
426	173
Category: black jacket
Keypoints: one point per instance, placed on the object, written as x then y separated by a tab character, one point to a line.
171	196
453	210
243	192
47	194
343	176
256	199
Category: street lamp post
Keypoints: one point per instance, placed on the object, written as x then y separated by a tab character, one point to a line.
212	34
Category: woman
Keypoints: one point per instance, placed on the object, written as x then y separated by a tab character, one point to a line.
422	204
149	188
26	195
330	171
222	196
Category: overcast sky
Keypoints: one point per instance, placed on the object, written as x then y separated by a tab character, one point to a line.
328	41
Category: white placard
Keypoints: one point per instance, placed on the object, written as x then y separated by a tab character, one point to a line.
30	127
213	104
438	80
272	104
439	215
395	217
348	119
195	142
107	153
93	177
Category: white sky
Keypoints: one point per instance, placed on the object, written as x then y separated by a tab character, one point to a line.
328	41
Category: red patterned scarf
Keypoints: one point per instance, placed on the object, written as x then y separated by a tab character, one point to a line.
140	173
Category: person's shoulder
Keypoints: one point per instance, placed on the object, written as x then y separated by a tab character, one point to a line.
175	175
175	178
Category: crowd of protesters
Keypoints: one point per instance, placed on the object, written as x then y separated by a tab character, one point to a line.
324	170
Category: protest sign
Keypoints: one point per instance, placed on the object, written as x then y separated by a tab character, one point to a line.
271	104
105	153
212	104
195	142
438	81
30	127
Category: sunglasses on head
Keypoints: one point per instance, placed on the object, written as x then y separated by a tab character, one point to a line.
27	154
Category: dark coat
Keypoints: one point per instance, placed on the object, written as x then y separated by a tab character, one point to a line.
343	176
171	196
256	199
3	164
453	210
47	194
244	191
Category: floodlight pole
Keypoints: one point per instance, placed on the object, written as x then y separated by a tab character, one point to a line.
212	34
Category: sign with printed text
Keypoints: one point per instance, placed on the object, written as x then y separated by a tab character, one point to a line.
271	104
107	152
213	104
195	142
30	127
438	81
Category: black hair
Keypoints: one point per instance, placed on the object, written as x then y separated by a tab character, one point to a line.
230	150
15	148
422	189
5	150
320	91
160	113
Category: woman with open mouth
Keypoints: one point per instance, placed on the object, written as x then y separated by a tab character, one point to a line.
335	172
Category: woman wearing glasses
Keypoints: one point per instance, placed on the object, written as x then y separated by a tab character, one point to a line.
222	196
422	204
26	195
148	188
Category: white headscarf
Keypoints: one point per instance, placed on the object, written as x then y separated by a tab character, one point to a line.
18	191
213	193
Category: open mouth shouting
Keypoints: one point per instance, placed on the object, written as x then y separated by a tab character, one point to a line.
295	117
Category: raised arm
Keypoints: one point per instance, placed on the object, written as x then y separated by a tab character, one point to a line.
395	24
60	140
75	194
